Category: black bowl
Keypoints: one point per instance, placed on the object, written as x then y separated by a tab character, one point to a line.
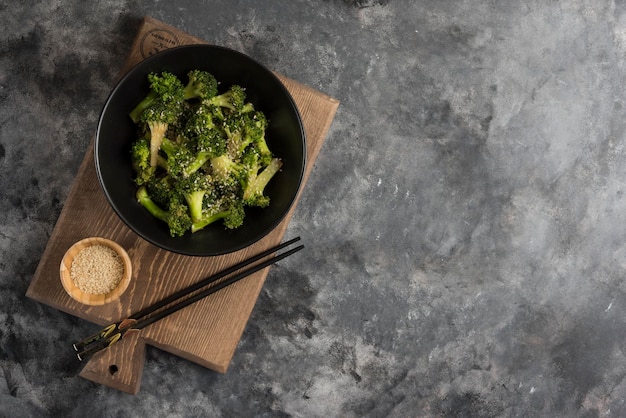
285	137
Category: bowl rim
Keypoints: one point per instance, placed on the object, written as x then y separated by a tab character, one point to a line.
203	252
87	298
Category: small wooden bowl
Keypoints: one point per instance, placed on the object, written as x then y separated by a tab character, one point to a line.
87	298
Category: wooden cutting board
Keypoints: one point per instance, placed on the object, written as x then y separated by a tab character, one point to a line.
206	332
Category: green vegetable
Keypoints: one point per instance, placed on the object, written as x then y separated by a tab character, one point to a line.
200	156
201	85
176	216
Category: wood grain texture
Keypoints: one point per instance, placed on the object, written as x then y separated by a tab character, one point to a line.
206	332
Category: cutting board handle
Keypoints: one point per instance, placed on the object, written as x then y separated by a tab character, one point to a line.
120	366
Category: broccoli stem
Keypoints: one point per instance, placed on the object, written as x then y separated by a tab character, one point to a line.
263	148
257	186
147	101
194	201
207	220
144	200
157	133
197	163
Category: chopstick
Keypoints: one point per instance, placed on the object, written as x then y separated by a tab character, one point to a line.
116	331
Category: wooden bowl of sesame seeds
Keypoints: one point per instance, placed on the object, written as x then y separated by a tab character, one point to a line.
95	271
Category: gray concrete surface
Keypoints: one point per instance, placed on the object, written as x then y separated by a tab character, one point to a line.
464	221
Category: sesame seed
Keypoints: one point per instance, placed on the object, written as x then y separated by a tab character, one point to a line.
97	269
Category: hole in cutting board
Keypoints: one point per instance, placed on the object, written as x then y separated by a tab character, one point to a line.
113	369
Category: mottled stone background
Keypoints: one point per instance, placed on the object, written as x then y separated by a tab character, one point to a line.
464	222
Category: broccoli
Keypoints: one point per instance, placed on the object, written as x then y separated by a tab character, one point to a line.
253	194
176	129
212	143
234	126
251	164
257	125
245	129
158	117
232	214
200	121
195	189
164	87
201	85
181	161
162	190
248	107
255	133
233	99
208	137
178	219
225	170
178	158
140	158
176	216
217	113
199	157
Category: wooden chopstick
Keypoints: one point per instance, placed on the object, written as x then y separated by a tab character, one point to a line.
116	331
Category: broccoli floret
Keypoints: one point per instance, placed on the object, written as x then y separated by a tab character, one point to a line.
158	117
176	216
225	170
234	126
251	163
200	121
233	99
212	143
201	128
164	87
256	125
201	159
248	107
255	133
181	161
232	214
140	158
178	219
253	194
217	113
235	214
178	158
244	129
195	189
161	190
259	122
167	86
146	201
176	129
201	85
